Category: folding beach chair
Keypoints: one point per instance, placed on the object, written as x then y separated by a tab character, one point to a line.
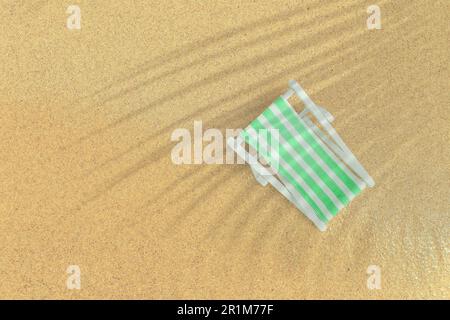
303	157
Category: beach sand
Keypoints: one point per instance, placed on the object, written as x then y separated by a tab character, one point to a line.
86	176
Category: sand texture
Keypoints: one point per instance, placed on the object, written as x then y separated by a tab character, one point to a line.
86	176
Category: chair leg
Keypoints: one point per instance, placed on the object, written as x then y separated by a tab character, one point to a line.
324	111
262	181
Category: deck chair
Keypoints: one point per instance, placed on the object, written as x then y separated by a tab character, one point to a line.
302	156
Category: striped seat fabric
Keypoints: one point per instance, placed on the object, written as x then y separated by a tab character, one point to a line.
319	182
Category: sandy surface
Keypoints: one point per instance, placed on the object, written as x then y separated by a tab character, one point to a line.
86	176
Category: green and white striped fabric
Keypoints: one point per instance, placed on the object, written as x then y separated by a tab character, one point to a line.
318	181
